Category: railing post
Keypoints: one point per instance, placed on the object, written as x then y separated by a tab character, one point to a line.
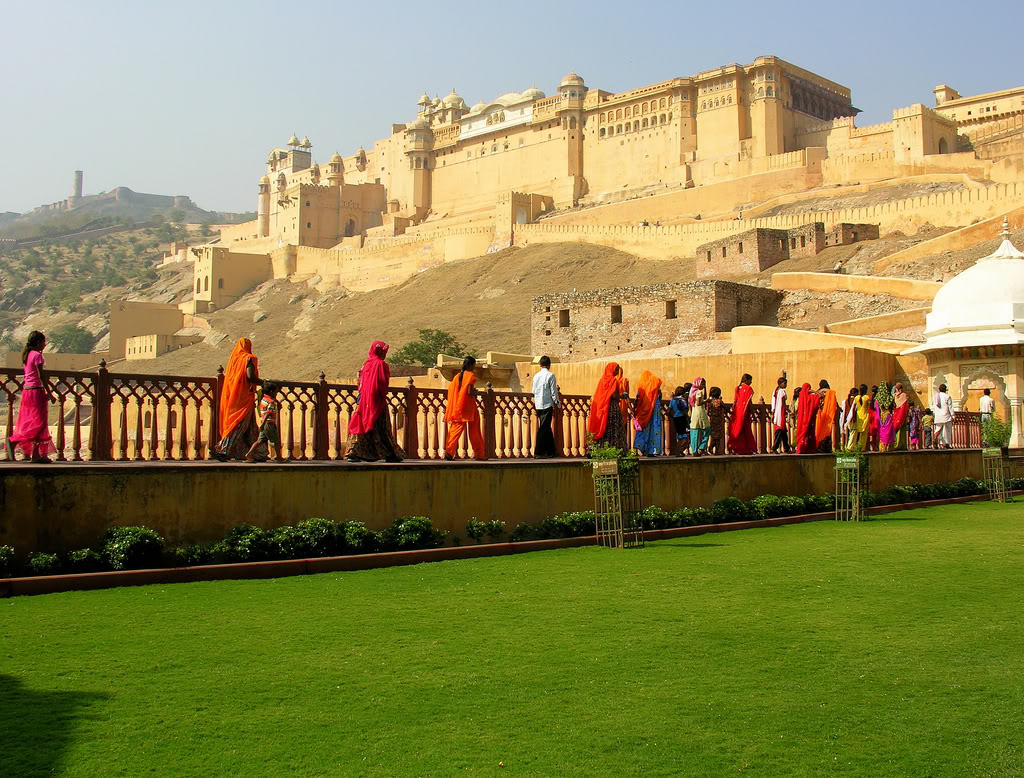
411	433
215	410
490	411
557	425
102	440
321	442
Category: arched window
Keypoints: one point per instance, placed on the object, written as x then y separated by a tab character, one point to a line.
703	105
663	118
618	114
148	418
199	286
730	99
644	123
943	146
220	283
627	126
716	102
572	123
602	132
646	108
771	92
350	228
206	284
662	104
760	92
636	126
618	129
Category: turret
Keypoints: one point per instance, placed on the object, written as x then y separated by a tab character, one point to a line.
336	170
263	207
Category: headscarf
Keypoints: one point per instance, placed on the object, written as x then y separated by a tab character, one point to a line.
899	414
826	416
899	396
623	392
374	380
647	396
695	390
461	405
607	388
237	396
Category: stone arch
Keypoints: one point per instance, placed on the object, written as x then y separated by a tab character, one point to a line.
350	228
206	284
943	146
572	123
983	376
199	285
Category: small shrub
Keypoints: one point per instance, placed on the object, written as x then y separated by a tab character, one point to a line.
189	556
683	517
41	563
653	517
321	534
768	506
728	510
246	543
476	529
578	523
522	531
819	503
701	516
6	561
554	527
291	543
129	548
359	539
995	433
85	560
417	532
495	529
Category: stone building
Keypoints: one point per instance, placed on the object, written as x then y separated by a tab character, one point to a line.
758	249
584	325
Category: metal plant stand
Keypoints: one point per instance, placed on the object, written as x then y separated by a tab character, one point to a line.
994	466
850	489
617	505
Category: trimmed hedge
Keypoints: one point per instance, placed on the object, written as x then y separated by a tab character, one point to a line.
127	548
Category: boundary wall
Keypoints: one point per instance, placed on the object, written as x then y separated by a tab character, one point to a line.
906	288
883	322
682	240
60	508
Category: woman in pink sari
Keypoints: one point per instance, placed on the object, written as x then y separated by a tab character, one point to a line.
901	409
369	423
32	430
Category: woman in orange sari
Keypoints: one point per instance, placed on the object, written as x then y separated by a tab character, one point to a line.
806	420
605	423
648	439
461	411
828	407
741	436
237	426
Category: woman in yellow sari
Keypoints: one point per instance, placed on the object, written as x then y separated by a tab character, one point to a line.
237	426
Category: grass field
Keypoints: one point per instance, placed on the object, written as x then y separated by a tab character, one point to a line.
889	648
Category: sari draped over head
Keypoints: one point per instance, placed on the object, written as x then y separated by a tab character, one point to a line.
374	380
461	404
648	392
698	385
741	437
806	418
902	407
623	391
826	416
607	389
237	396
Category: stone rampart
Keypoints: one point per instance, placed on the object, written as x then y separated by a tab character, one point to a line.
907	288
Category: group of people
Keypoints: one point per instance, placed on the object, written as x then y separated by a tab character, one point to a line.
879	419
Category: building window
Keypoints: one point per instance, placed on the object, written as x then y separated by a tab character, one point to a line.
782	243
220	283
563	317
198	286
206	284
723	251
792	243
307	203
741	247
616	314
308	225
709	255
670	309
803	241
547	333
602	132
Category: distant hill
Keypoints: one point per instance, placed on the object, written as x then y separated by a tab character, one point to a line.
119	206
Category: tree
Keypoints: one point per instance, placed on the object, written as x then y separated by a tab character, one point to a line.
204	230
70	339
176	215
425	350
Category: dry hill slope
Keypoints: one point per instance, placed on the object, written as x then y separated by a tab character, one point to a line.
484	302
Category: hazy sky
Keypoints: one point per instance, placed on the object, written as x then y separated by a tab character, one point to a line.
188	97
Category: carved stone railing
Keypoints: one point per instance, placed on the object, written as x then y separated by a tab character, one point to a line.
134	417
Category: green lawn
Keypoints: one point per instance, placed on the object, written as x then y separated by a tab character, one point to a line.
889	648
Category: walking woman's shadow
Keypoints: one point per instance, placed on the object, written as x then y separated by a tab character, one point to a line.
38	727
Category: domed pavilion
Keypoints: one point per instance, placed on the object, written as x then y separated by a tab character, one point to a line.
975	335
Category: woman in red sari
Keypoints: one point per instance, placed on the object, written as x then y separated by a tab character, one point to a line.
369	424
741	436
900	415
461	412
605	423
806	420
237	414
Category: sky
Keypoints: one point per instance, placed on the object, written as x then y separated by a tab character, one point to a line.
189	97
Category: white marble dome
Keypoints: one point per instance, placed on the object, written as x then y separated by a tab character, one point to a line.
983	305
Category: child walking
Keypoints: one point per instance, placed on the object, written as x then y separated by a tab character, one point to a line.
681	418
716	418
927	427
32	430
269	433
